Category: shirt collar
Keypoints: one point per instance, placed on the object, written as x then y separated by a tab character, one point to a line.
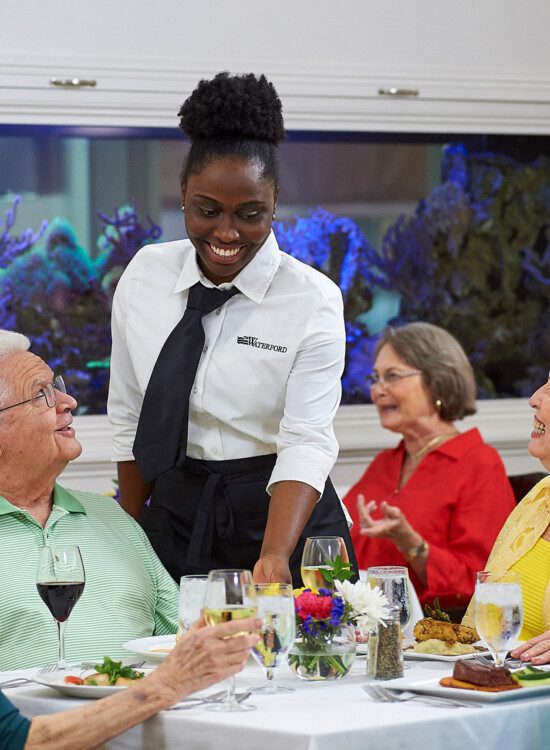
254	279
61	499
455	447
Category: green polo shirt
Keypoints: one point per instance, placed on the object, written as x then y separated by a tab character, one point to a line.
128	593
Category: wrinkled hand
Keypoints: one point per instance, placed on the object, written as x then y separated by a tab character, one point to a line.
272	569
536	650
393	524
206	655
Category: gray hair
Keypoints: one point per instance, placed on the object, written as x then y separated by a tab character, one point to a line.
10	342
446	371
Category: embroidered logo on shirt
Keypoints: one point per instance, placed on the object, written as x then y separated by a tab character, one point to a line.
253	341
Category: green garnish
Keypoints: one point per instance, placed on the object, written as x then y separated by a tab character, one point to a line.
115	670
436	613
336	570
530	675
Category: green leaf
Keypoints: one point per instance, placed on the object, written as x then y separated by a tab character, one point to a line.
337	570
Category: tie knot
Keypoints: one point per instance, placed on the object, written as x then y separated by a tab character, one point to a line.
207	299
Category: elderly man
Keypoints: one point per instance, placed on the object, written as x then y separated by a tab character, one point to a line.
128	593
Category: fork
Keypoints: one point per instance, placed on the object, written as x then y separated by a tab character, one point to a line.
509	662
198	701
14	682
383	695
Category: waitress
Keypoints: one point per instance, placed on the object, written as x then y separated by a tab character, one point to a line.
226	360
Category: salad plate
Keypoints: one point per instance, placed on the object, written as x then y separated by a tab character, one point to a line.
155	648
56	681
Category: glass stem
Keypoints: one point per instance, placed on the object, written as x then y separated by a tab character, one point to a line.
269	673
230	697
61	663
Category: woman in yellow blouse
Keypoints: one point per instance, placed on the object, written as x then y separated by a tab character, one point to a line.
523	544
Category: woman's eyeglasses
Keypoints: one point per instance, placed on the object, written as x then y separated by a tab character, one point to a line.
48	392
392	377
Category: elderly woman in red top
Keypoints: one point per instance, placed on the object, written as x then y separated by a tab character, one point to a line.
437	501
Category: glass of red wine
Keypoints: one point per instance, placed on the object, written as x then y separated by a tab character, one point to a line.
60	582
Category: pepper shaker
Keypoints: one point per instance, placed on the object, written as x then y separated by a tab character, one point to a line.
385	649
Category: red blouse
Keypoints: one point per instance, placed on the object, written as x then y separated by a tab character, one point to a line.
457	500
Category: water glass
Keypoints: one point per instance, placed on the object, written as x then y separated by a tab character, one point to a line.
394	582
276	608
318	551
498	612
192	590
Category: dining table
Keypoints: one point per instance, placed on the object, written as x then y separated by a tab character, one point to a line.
322	716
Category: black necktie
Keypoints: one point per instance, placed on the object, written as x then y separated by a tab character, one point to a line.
163	421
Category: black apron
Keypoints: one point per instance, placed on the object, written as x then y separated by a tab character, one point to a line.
206	515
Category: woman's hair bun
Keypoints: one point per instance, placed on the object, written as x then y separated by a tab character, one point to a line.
242	107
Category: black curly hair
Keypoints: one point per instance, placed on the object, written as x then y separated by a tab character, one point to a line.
233	116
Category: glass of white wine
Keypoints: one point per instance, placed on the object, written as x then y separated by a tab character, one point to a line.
276	608
318	551
498	612
393	581
229	595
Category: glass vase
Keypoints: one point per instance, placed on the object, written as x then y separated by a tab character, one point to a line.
327	656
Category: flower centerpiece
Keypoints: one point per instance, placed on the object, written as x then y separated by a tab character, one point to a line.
327	623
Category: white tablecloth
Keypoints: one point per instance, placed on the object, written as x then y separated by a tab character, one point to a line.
325	716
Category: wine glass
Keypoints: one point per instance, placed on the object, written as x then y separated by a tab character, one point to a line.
498	611
60	582
394	582
318	551
192	590
276	608
229	595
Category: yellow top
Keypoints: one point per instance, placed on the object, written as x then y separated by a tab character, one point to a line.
520	533
534	571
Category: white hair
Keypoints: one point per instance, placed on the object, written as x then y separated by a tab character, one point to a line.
10	342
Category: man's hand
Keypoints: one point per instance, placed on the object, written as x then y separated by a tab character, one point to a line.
272	569
536	650
206	655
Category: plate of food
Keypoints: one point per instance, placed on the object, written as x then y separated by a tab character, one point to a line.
478	682
105	679
155	648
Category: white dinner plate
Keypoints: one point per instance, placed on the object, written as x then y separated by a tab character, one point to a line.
431	686
408	653
57	682
154	648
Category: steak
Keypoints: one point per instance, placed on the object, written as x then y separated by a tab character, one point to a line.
469	670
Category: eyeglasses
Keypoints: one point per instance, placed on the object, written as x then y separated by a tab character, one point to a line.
48	392
391	378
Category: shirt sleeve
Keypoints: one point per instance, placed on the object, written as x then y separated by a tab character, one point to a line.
480	512
125	397
306	445
14	728
167	599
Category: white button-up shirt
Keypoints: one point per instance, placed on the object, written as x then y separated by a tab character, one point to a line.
269	377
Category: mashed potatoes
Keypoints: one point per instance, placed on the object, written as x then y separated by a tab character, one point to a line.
443	648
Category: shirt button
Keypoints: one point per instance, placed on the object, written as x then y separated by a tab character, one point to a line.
195	389
204	349
218	311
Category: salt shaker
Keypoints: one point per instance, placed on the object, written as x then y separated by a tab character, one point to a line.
385	661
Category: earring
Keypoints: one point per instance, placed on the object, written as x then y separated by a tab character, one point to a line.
183	208
438	403
273	217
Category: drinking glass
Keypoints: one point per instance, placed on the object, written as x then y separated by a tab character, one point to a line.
318	551
192	589
229	595
60	582
498	612
394	582
276	608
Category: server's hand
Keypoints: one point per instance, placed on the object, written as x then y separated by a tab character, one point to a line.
272	569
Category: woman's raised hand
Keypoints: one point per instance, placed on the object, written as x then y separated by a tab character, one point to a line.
393	524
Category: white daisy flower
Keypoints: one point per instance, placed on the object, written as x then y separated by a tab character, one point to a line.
369	605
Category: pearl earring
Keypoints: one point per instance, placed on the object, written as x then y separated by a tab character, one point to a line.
183	208
439	403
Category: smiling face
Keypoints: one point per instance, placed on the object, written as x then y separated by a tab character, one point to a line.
35	440
228	213
406	406
539	444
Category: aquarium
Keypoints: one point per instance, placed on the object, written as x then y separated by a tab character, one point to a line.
454	230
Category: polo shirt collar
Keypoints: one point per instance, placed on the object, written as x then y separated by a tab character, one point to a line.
254	279
62	499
